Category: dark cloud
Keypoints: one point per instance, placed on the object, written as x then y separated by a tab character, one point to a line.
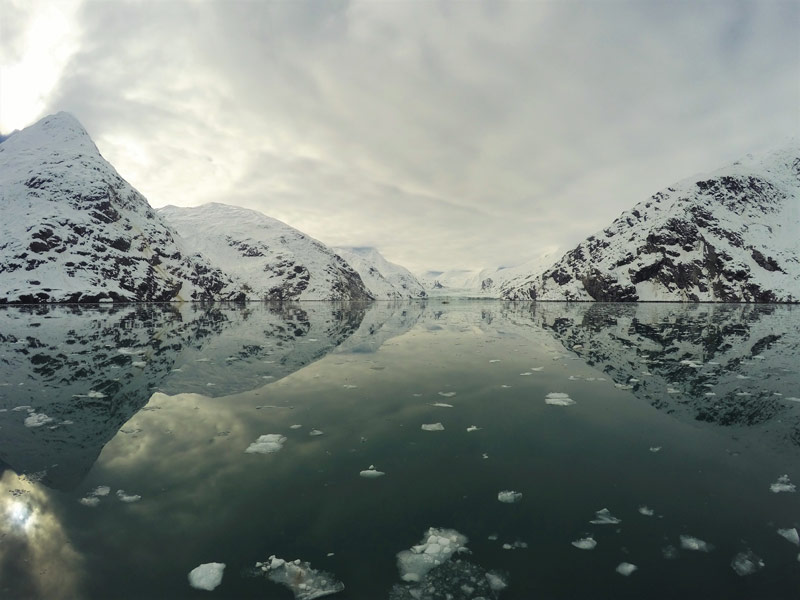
448	134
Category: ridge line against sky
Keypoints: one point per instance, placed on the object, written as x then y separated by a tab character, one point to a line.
446	134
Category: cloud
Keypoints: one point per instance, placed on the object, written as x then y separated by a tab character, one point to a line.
449	134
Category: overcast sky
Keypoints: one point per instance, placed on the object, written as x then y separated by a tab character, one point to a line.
446	134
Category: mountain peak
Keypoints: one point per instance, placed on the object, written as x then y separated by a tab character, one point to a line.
56	133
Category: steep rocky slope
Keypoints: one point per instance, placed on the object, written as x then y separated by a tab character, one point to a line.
385	280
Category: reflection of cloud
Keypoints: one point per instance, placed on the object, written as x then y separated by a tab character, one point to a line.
36	558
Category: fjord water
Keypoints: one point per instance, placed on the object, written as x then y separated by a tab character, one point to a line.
688	412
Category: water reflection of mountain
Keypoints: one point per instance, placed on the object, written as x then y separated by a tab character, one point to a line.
71	376
731	366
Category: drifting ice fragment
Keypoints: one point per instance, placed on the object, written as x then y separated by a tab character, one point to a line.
689	542
436	547
558	399
791	535
646	511
447	394
746	563
37	419
495	360
266	444
432	427
516	545
604	517
442	405
295	426
128	498
316	432
587	543
626	568
90	501
472	428
207	576
509	497
306	583
371	473
655	448
782	485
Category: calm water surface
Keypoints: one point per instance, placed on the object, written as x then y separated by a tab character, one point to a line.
679	420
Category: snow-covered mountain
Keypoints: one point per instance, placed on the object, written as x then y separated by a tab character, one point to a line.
269	259
483	283
74	231
384	280
727	236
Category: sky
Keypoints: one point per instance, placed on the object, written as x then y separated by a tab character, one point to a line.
447	134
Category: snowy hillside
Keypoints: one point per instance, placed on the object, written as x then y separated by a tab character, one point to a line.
728	236
74	231
270	259
384	280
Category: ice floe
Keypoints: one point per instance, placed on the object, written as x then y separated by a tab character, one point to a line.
791	535
207	576
604	517
316	432
587	543
266	444
646	511
447	394
100	490
472	428
782	485
558	399
349	386
509	496
35	419
456	579
122	495
495	360
689	542
626	568
435	548
371	473
623	386
304	582
515	546
90	501
655	448
442	405
746	563
432	427
296	426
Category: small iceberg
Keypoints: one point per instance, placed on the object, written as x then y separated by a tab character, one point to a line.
782	485
432	427
790	535
447	394
442	405
436	547
371	473
689	542
266	444
316	432
646	511
587	543
304	582
207	576
509	496
626	568
558	399
472	428
35	419
128	497
604	517
746	563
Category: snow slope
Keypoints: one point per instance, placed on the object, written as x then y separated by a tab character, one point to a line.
384	280
728	236
74	231
270	259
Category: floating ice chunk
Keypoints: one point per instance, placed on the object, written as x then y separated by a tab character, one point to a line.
207	576
484	455
21	408
558	399
139	364
91	394
509	496
740	376
689	542
536	369
35	419
604	517
472	428
782	485
316	432
526	373
266	444
90	501
100	490
447	394
496	582
746	563
587	543
791	535
495	360
436	547
655	448
432	427
202	360
349	386
792	399
304	582
515	546
646	511
371	473
710	394
295	426
623	386
504	386
128	498
626	568
442	405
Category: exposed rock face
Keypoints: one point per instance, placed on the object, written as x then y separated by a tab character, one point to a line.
74	231
270	259
385	280
730	236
